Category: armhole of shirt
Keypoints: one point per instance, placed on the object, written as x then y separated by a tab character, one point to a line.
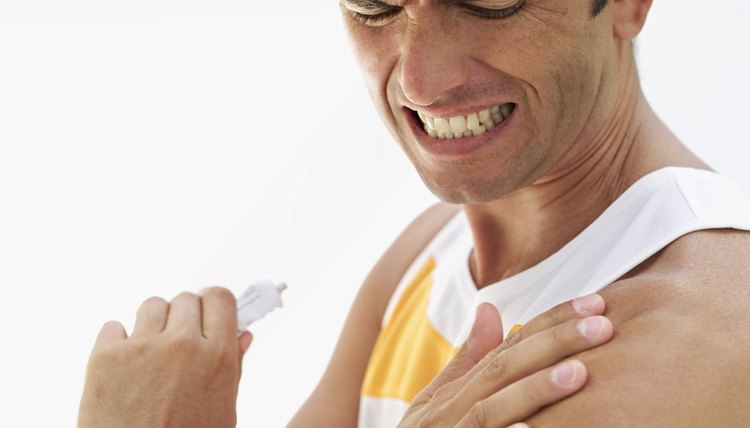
419	262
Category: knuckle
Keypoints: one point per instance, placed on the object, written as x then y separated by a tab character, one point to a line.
185	296
431	419
500	349
445	392
112	325
226	352
497	366
463	352
477	415
183	344
136	352
224	363
440	393
219	293
516	337
538	389
566	337
556	315
153	303
103	358
561	312
110	355
560	333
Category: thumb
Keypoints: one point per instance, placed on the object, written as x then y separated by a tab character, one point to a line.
244	341
246	338
486	334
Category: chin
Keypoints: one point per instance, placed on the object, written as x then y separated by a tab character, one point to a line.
463	191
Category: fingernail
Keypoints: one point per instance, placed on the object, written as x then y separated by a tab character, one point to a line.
564	374
585	304
591	327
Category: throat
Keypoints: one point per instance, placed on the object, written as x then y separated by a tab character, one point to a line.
531	224
522	241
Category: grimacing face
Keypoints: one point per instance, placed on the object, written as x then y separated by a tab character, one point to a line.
434	68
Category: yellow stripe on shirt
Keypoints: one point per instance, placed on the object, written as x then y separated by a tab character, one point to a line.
409	351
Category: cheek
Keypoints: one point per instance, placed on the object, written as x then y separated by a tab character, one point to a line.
375	51
555	68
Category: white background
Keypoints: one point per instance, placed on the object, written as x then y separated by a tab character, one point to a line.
149	147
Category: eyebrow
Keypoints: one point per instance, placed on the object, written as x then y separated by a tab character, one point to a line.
377	4
367	4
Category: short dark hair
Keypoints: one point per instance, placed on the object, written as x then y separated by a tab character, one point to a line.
599	6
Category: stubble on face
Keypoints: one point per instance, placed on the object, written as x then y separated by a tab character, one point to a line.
545	57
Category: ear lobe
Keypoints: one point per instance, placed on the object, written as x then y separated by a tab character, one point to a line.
629	17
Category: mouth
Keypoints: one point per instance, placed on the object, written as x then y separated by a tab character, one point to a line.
473	124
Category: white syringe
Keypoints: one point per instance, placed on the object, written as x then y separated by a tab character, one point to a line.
259	299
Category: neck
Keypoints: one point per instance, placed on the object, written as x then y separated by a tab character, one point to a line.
525	227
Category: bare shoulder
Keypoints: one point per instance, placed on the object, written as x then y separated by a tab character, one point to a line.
697	275
679	355
335	401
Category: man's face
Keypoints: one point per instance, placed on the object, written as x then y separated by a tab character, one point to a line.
434	68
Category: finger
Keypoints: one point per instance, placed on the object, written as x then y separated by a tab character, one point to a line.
519	425
111	331
184	314
486	334
526	396
592	304
219	313
151	317
533	354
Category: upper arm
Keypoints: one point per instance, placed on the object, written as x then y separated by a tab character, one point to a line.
335	401
679	354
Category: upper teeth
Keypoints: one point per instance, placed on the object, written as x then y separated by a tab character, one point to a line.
465	126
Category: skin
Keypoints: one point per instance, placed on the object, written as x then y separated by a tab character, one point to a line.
483	384
581	134
335	401
181	365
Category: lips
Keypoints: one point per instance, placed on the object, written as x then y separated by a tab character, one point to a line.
472	143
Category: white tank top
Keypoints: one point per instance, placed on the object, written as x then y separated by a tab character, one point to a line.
432	309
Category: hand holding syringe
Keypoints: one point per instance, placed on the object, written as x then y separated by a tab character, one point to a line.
188	345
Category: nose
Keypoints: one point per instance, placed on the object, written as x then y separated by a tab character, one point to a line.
432	61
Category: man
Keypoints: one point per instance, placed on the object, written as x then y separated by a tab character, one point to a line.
529	115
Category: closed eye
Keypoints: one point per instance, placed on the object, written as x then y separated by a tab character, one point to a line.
489	13
370	12
376	18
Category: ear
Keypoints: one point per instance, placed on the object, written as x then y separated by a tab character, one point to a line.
629	17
